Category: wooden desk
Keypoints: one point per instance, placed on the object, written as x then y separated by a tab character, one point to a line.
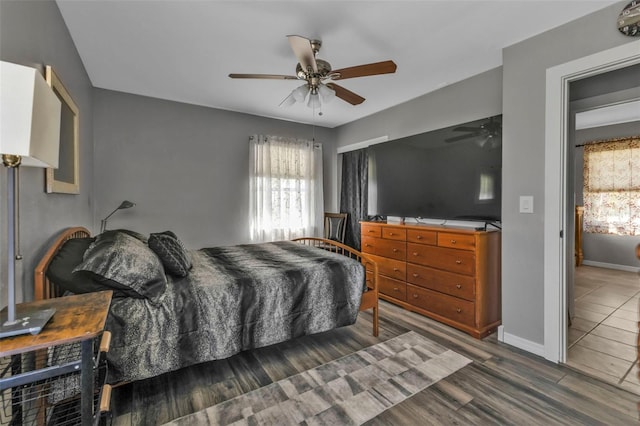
79	318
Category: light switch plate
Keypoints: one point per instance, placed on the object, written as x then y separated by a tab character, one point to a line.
526	204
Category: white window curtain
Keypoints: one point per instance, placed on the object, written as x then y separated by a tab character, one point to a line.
612	187
285	188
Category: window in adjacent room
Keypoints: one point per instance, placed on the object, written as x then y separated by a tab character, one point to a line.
612	187
285	188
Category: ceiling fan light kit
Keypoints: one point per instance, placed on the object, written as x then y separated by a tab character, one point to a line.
326	93
314	99
319	77
300	93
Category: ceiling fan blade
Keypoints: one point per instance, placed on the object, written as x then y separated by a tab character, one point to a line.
376	68
466	129
346	95
265	76
302	48
463	137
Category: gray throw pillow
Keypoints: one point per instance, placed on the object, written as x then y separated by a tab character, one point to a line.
172	253
125	264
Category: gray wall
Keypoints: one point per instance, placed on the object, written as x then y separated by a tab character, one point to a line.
474	98
186	167
517	90
524	71
33	33
616	250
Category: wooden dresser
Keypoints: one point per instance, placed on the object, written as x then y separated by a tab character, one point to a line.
449	274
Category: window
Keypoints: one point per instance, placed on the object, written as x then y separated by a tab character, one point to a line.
285	188
486	191
612	187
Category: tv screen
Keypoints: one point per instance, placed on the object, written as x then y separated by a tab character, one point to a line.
451	174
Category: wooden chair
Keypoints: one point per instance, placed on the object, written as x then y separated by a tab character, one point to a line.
335	226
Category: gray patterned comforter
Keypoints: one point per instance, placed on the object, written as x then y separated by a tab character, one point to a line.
235	298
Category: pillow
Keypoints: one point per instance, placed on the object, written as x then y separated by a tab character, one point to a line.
171	251
60	270
124	263
134	234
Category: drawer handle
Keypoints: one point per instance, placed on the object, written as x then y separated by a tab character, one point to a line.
395	269
419	237
396	289
459	262
391	234
415	253
371	230
416	275
395	250
458	286
453	241
367	245
415	296
458	310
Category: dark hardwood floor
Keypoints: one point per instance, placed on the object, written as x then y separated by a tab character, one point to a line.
503	385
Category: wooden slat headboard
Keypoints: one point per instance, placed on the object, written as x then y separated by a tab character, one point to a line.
43	288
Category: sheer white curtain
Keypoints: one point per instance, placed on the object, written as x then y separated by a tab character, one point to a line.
285	188
612	187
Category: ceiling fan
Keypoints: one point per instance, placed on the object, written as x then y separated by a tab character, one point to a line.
318	76
489	132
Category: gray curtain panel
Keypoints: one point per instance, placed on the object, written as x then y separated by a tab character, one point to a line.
354	193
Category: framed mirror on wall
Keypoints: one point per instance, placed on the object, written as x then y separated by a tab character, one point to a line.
66	178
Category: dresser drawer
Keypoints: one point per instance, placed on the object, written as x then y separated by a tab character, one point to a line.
391	268
394	288
385	248
370	230
393	249
452	260
450	307
368	244
445	282
459	241
391	233
422	237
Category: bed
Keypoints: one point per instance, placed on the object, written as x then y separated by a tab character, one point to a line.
230	299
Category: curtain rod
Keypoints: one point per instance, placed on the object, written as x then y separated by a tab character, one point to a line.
608	140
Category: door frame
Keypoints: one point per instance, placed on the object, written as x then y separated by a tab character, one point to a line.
557	198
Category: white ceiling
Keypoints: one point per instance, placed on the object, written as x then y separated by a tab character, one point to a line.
183	50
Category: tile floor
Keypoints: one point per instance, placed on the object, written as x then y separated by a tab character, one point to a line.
603	335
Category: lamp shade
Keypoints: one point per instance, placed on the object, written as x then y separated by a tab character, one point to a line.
326	93
29	116
314	101
300	93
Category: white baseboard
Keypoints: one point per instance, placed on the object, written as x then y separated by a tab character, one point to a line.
520	343
610	266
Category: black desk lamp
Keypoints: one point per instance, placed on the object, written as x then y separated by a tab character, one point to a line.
124	205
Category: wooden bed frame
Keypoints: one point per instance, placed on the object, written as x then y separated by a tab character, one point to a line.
369	297
45	289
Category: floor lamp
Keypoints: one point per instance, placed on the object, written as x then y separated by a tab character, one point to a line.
29	137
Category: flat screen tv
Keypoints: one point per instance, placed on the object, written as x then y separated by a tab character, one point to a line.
450	174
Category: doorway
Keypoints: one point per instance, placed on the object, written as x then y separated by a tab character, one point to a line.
558	258
603	287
